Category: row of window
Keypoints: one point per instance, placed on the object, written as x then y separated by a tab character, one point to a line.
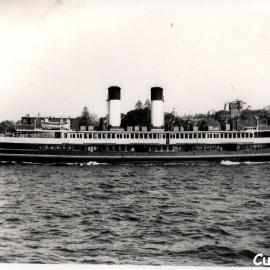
131	148
211	135
117	136
159	136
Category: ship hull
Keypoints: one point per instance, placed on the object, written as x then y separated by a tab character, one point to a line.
119	157
61	153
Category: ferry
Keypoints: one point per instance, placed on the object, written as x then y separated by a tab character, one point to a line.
58	143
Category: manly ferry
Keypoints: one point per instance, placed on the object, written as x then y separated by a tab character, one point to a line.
58	142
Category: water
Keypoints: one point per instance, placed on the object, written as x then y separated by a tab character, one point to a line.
193	213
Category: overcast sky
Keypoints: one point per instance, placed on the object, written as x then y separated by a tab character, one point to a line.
57	56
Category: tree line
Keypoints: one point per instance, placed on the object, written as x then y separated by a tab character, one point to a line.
7	126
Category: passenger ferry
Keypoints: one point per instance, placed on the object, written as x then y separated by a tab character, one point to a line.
58	144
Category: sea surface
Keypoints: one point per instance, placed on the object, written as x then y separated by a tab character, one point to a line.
189	213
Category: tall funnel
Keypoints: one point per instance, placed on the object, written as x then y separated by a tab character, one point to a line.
114	105
157	104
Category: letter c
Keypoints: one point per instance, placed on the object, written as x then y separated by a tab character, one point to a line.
255	258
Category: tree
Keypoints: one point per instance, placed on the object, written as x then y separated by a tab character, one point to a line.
140	117
147	104
85	117
139	105
222	116
7	126
88	119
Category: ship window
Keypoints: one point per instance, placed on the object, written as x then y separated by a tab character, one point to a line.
190	135
145	136
108	135
131	136
246	135
234	135
154	136
141	136
199	135
209	135
238	135
264	134
186	136
113	135
85	135
182	136
104	135
90	135
251	135
203	135
136	135
195	136
150	136
177	136
230	135
164	136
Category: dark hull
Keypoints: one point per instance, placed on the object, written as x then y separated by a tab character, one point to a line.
79	153
118	157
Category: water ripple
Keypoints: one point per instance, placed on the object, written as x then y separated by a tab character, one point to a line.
184	213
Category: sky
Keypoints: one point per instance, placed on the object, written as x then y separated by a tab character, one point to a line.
57	56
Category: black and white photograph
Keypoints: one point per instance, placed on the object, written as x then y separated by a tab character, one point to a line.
135	133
